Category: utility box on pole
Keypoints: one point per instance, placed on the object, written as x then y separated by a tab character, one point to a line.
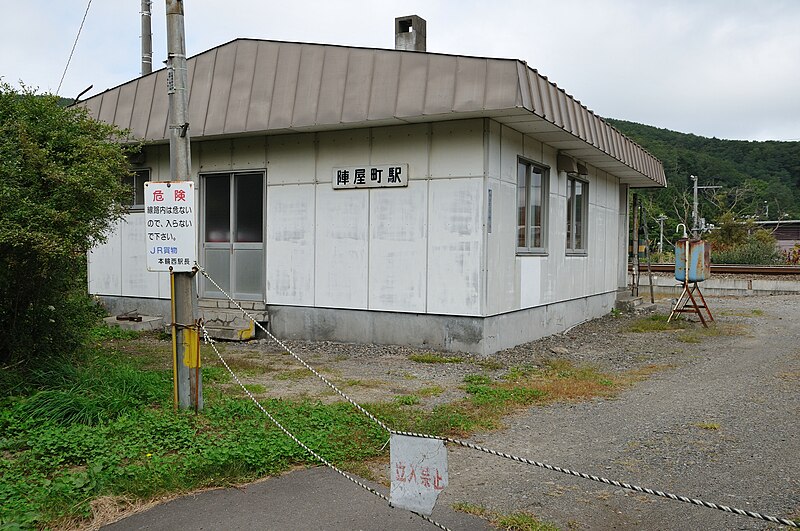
186	352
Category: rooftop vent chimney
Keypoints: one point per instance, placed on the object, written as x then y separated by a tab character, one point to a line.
409	33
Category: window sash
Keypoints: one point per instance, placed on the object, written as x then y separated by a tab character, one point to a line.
136	181
531	203
576	214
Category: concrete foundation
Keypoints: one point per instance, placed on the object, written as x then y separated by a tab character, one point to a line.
143	305
476	335
732	287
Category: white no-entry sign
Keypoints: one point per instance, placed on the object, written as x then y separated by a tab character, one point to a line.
170	225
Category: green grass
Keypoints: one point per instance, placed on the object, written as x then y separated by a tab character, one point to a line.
430	357
518	521
108	333
407	400
656	323
107	428
431	390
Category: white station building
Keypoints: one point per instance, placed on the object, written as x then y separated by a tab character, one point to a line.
386	196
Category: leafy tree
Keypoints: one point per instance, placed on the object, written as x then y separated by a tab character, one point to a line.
768	172
60	192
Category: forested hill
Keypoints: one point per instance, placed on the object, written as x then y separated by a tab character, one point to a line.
754	175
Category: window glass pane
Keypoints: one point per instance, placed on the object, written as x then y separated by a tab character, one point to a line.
579	205
140	176
522	204
570	210
249	269
135	182
218	208
536	198
218	267
249	207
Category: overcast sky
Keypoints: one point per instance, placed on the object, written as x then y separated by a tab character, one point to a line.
723	68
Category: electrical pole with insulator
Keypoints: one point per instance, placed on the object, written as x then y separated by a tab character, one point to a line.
188	378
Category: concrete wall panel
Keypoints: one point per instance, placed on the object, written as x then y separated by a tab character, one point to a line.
291	159
397	248
249	153
402	144
341	148
137	281
290	245
342	221
530	284
215	155
457	149
455	237
501	276
494	145
512	146
105	265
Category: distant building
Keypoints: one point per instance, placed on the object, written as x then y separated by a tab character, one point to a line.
386	196
786	233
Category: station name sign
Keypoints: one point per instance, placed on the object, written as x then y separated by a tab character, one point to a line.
381	176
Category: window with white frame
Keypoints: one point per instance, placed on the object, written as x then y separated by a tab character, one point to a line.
136	181
531	207
577	212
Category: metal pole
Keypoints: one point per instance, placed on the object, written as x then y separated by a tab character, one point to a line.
147	39
661	219
635	247
647	254
189	379
694	208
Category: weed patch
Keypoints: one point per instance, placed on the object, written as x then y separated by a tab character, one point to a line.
433	390
407	400
518	521
110	333
656	323
107	429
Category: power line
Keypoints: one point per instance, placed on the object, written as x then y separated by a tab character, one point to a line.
73	46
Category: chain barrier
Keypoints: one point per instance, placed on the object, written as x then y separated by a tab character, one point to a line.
635	488
628	486
300	443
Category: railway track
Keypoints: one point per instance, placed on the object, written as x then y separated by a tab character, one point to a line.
731	269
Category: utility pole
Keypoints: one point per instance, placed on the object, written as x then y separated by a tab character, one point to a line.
695	218
189	388
147	39
661	219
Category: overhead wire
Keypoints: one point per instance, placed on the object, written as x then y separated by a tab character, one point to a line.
74	44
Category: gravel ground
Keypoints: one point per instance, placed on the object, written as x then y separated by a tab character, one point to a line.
717	422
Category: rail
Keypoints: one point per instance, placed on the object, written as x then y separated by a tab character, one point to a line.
731	269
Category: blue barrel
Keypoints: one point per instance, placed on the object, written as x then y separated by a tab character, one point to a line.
699	260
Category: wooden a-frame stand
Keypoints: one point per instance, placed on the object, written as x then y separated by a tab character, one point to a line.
687	303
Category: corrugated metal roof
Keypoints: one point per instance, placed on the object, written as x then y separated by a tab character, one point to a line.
253	86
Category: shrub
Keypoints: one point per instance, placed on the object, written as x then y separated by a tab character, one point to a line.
60	192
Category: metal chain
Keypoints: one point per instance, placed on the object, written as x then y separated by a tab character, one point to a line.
298	358
636	488
289	434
